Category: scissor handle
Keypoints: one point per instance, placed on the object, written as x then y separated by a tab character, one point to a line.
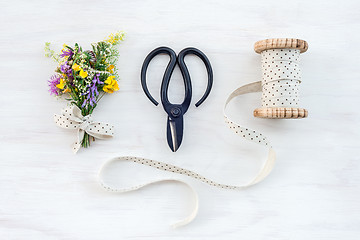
146	63
168	72
185	71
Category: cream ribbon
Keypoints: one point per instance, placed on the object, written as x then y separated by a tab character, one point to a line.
71	118
247	133
281	77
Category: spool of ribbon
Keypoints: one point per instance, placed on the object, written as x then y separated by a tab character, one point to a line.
277	54
281	77
71	118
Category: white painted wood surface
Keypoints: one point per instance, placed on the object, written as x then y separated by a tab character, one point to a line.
313	192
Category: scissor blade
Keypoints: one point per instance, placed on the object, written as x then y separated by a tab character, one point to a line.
174	132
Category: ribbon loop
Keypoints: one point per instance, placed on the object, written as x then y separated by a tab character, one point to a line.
71	118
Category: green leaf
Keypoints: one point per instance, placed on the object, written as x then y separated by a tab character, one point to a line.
70	48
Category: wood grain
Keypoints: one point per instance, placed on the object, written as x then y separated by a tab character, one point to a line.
279	113
276	43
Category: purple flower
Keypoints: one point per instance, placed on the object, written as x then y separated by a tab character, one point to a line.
96	79
66	69
92	91
91	101
67	52
84	103
54	80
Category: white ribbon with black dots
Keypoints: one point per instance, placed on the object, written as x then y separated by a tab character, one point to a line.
279	87
281	77
247	133
71	118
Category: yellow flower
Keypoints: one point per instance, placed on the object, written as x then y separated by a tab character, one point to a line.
67	90
111	85
76	67
110	68
109	80
115	38
83	73
61	85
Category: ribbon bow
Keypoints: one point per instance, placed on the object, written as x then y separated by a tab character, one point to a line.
71	118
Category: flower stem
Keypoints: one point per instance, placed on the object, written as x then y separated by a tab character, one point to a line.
100	97
86	141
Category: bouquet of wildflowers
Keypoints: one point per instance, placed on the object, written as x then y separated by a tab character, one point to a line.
83	77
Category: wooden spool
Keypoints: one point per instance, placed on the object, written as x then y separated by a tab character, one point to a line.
281	112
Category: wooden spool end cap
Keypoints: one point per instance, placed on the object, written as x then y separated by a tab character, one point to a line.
280	113
276	43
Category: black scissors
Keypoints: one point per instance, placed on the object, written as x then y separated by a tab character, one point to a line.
175	122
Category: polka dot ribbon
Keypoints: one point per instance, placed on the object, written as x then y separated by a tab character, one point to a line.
281	77
71	118
244	132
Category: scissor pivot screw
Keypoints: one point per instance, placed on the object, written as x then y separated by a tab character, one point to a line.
175	111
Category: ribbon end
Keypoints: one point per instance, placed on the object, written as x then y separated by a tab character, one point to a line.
75	147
